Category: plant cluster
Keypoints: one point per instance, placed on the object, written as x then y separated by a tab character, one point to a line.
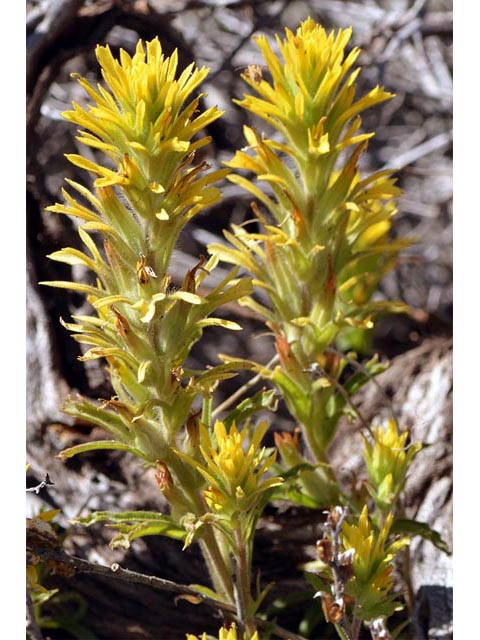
309	262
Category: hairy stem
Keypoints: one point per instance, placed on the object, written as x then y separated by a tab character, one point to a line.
243	586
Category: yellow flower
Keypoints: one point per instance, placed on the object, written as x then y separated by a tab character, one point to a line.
372	565
307	101
233	467
388	460
224	634
322	258
145	121
142	121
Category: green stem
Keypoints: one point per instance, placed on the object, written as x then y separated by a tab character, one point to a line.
343	633
407	577
214	558
406	565
221	577
325	475
356	623
245	616
207	406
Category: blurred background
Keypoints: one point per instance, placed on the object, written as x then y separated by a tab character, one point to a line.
407	47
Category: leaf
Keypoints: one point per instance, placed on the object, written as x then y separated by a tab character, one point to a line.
39	598
98	445
317	582
262	401
223	371
134	524
423	529
189	598
395	633
297	497
74	286
206	591
46	516
219	322
119	517
129	533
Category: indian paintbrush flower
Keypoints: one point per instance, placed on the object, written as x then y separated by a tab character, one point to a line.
323	244
147	125
388	459
144	128
318	253
372	581
233	466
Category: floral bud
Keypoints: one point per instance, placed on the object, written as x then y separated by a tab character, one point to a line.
163	477
332	609
324	550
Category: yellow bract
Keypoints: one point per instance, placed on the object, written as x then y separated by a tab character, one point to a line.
388	459
372	565
144	121
311	97
323	244
233	467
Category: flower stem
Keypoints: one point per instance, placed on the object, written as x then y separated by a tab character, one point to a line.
325	474
207	414
217	566
356	623
245	616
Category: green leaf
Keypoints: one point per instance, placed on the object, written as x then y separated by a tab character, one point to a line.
128	533
39	598
134	524
223	371
262	401
206	591
341	633
423	529
120	517
98	445
297	497
395	633
318	583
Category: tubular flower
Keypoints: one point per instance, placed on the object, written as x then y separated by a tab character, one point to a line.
372	566
387	461
233	468
144	121
323	244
